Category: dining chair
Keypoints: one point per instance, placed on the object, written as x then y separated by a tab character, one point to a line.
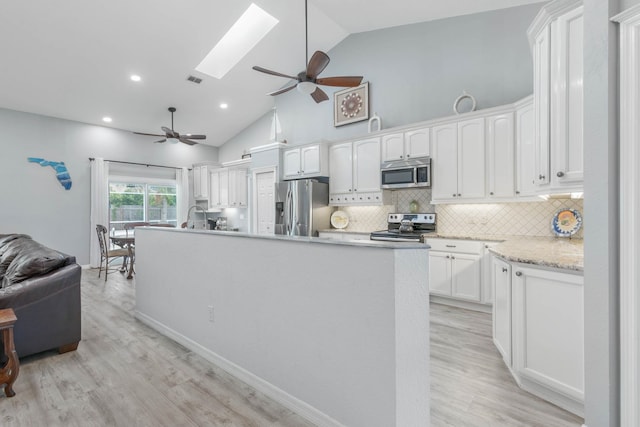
130	226
108	255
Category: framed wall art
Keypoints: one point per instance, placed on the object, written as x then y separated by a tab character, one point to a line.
351	105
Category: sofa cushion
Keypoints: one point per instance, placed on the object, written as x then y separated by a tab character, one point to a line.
33	259
10	247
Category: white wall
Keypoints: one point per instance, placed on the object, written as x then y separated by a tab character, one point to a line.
626	4
33	202
415	73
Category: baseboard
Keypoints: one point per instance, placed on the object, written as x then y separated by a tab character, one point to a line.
86	266
285	399
469	305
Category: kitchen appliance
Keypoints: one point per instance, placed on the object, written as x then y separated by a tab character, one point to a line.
410	173
302	207
406	227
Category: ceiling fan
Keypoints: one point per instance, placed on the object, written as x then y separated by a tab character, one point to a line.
171	134
307	80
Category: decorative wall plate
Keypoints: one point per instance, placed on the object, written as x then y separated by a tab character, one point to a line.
339	219
566	222
465	95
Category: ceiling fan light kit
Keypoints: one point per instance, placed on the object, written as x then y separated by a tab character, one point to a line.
307	81
172	135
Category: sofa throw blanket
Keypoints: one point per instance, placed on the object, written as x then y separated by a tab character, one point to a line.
22	258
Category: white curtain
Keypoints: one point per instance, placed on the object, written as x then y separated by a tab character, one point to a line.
182	194
99	205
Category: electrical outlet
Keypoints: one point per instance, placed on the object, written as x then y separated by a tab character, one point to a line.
210	309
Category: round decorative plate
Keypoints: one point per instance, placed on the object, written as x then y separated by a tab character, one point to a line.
566	222
339	219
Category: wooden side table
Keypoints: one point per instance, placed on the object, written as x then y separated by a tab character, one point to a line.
9	372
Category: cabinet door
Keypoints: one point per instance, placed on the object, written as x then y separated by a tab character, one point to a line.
392	147
366	165
238	188
465	276
501	156
541	102
223	176
204	182
525	152
197	172
445	161
291	160
416	143
439	273
501	278
310	160
548	329
341	168
214	190
471	159
567	100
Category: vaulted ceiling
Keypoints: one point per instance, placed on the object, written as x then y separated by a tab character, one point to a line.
73	59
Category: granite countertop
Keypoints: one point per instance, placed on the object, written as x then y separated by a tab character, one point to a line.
480	237
555	252
342	230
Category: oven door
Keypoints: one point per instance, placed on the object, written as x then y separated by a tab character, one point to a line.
398	178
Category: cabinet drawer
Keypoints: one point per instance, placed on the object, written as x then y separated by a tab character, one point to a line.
456	246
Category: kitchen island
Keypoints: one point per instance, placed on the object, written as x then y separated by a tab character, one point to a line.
337	331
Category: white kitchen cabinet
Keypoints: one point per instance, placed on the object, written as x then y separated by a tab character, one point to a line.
548	334
238	186
455	268
405	145
500	156
459	161
228	188
354	170
305	162
501	280
200	182
487	271
525	151
556	37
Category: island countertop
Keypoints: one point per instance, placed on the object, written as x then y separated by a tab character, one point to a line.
552	252
314	240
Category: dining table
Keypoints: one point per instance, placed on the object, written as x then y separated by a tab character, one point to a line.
127	242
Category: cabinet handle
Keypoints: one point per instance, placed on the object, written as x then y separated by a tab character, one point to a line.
448	257
451	246
491	194
517	192
454	195
518	273
355	189
541	177
504	270
400	156
452	257
349	190
560	174
408	155
459	194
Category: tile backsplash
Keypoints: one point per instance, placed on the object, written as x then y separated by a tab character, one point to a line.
492	219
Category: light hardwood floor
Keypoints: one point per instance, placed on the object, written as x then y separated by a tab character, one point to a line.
126	374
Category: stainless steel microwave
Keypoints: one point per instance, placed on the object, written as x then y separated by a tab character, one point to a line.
406	173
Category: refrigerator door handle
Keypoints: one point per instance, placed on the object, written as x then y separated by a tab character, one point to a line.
289	212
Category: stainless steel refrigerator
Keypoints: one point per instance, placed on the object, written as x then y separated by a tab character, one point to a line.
302	207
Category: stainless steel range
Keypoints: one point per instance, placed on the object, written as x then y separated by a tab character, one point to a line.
406	227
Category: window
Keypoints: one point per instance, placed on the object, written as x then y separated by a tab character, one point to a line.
136	202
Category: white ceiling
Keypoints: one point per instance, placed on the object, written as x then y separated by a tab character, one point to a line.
72	59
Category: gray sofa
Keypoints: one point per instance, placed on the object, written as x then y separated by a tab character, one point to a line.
43	288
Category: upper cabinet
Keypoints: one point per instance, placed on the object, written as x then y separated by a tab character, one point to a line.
354	168
405	145
458	160
525	150
228	188
200	182
556	37
305	162
500	156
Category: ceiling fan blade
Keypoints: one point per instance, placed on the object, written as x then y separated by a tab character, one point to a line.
286	89
186	141
162	140
147	134
188	135
318	95
317	63
343	81
169	132
273	73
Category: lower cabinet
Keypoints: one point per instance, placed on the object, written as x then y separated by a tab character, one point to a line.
543	309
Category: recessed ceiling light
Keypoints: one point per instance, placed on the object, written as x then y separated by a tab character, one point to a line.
135	78
247	31
224	106
107	119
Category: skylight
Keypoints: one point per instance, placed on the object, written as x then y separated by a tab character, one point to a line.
247	31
